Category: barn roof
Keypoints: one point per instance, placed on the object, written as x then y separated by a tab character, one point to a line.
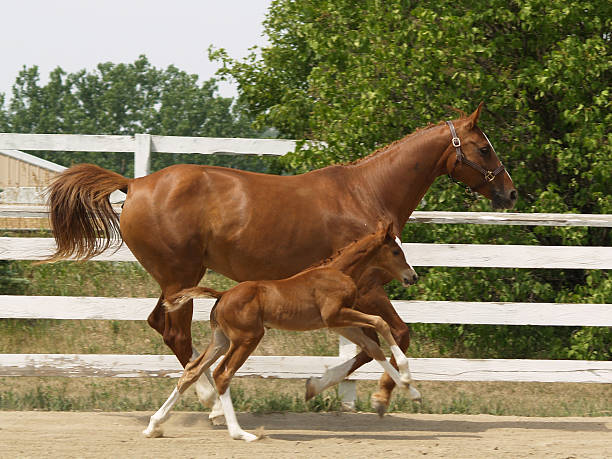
34	160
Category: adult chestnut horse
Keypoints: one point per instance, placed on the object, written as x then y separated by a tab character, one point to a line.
251	226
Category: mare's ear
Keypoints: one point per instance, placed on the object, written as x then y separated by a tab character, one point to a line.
473	118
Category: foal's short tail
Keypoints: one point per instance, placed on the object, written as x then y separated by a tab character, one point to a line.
83	221
175	302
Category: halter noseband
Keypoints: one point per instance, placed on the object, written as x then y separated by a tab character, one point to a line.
489	176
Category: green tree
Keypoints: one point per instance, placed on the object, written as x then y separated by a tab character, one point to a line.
125	99
358	75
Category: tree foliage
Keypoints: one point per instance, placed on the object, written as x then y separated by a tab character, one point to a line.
358	75
124	99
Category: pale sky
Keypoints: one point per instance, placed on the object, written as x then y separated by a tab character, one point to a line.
77	34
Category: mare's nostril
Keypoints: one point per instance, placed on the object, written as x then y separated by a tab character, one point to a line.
513	195
415	278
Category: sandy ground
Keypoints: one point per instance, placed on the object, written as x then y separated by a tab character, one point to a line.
318	435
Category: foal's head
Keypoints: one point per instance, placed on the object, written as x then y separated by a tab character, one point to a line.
474	162
390	257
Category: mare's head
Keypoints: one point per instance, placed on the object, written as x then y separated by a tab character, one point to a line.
390	257
474	162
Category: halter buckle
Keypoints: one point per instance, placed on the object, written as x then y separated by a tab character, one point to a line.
456	142
489	176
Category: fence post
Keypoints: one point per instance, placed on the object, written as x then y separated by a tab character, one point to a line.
142	155
347	390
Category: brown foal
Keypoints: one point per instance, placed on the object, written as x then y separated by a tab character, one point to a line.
251	226
318	297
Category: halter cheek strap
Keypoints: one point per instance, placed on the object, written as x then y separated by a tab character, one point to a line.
488	175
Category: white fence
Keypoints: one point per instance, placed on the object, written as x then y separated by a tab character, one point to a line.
460	255
142	145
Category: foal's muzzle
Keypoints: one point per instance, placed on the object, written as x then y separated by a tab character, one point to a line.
409	279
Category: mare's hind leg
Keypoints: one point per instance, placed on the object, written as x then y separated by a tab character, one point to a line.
165	235
192	373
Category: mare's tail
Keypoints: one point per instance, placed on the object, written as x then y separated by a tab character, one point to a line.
83	221
176	301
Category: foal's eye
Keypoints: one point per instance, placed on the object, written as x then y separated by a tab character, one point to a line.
396	252
484	151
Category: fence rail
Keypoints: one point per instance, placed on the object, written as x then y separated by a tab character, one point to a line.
473	255
290	367
411	311
418	216
452	255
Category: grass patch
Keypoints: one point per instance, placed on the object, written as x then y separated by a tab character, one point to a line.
267	396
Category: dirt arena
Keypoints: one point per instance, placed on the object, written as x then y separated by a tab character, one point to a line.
318	435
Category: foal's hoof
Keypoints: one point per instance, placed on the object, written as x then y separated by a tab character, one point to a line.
216	415
218	420
311	390
406	379
379	405
415	395
153	433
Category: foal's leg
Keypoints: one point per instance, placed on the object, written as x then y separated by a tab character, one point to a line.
242	345
339	373
346	317
205	390
191	374
372	301
375	301
357	336
177	334
175	329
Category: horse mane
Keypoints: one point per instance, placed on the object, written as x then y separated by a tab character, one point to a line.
337	254
416	132
332	257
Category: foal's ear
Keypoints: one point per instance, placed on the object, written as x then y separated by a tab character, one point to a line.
473	118
389	229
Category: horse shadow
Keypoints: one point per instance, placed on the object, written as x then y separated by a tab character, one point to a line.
304	427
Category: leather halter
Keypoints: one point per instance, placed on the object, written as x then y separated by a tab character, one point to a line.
488	175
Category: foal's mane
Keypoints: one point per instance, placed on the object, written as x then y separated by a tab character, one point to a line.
336	254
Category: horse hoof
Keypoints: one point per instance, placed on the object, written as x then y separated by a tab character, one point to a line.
406	381
415	395
311	391
153	433
379	406
217	420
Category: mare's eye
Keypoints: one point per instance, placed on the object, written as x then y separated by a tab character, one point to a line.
396	252
484	151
